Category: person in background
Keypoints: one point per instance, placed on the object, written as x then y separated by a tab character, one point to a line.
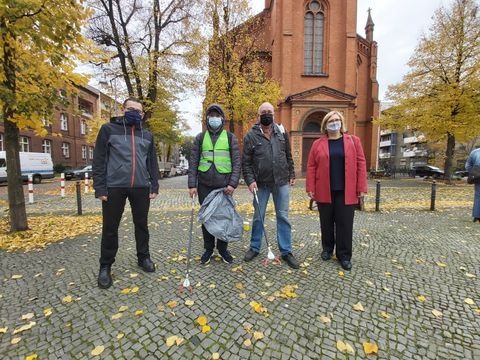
474	160
268	167
214	163
125	167
336	179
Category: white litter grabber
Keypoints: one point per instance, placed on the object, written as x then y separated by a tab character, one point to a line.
270	255
186	283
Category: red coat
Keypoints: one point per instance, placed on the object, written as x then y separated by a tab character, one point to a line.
318	170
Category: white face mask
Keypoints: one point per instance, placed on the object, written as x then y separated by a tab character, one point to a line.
334	126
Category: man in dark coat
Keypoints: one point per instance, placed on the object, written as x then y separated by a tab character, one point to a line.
268	168
214	163
124	166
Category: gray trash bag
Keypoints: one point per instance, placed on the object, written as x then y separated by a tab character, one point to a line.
218	215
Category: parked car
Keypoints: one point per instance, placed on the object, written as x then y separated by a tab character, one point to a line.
78	173
460	174
427	170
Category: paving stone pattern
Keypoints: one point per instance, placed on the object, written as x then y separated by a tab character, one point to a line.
396	259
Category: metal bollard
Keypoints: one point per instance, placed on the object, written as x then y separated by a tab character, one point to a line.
377	197
79	198
30	189
86	182
62	185
433	196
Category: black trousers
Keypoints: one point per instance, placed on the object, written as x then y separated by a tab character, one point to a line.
209	239
336	223
112	211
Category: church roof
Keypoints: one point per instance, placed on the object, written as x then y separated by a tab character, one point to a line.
369	19
320	90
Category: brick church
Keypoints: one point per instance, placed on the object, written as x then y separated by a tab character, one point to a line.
322	64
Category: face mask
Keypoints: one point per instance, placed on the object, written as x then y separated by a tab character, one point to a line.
214	122
132	117
334	126
266	119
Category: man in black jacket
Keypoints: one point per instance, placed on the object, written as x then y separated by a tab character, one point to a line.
124	166
268	167
214	163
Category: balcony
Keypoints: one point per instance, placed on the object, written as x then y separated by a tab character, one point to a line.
385	143
385	155
385	132
410	140
415	153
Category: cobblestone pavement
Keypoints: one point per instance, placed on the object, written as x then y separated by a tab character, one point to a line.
406	264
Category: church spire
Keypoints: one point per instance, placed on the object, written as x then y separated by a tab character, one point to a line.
369	27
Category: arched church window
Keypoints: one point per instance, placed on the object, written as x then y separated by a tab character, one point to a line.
313	43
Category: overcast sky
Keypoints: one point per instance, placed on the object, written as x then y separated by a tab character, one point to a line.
398	26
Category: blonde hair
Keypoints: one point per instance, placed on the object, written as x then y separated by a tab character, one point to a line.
327	117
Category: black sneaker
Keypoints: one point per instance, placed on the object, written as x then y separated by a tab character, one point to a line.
207	255
250	255
147	265
105	277
226	257
291	261
326	255
346	265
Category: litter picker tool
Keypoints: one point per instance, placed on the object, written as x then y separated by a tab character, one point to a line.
270	255
186	283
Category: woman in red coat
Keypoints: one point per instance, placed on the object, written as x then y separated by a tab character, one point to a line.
336	178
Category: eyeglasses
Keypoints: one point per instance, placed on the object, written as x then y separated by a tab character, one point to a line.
333	120
133	109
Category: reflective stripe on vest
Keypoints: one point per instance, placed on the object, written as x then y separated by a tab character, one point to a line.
218	154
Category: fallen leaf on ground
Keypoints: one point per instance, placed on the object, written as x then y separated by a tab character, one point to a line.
67	299
123	308
421	298
258	335
384	315
212	286
202	320
24	327
215	356
370	348
242	296
206	328
97	350
239	286
120	335
135	290
341	273
477	311
126	291
15	340
16	277
117	316
133	275
171	304
257	307
471	276
358	307
31	357
237	268
28	316
189	302
3	330
388	274
172	340
138	312
369	283
325	319
247	343
345	347
469	301
47	312
437	313
441	264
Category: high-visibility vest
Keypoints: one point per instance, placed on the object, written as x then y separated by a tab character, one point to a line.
218	154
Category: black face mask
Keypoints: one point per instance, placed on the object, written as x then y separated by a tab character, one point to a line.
266	119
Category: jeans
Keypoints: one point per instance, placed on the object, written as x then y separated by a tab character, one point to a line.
281	200
476	202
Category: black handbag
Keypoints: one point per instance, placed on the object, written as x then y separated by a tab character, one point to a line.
474	175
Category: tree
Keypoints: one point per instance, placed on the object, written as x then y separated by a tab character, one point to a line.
237	78
148	43
39	44
440	95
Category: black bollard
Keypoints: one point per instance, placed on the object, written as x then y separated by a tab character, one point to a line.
377	197
433	196
79	198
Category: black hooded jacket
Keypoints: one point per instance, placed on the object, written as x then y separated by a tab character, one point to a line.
212	178
124	156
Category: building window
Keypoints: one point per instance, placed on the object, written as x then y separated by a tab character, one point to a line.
2	147
66	150
84	152
83	127
63	121
24	144
90	152
313	45
45	121
47	146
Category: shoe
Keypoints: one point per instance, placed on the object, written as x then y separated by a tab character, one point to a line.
105	277
326	255
291	261
207	255
346	265
147	265
226	257
476	219
250	255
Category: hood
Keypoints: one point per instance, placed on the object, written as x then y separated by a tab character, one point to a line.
218	108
